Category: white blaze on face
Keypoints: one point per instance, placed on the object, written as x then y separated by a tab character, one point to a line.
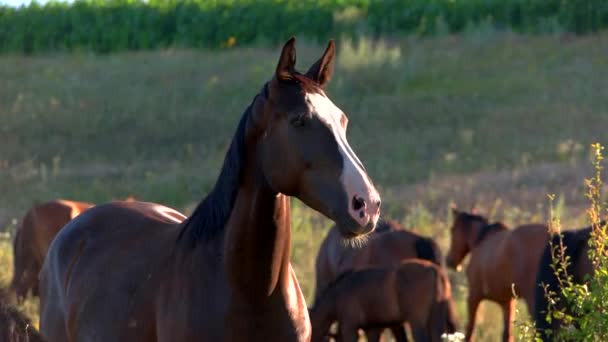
354	178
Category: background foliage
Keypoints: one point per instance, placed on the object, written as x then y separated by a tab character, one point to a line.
113	25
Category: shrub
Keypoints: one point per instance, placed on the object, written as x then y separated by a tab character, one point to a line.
113	25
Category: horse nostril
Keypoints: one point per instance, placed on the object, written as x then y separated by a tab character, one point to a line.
378	204
358	203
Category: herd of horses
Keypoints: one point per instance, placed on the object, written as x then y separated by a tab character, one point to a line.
140	271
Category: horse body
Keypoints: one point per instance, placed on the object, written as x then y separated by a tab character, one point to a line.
515	265
143	272
579	266
416	291
38	228
389	245
502	262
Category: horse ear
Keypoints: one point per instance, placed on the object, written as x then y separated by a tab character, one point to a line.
322	70
455	211
287	62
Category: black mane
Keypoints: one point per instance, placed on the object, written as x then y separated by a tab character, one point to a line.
210	216
487	229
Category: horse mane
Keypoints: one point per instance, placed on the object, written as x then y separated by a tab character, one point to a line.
211	214
427	249
488	229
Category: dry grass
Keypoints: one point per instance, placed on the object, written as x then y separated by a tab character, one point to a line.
490	120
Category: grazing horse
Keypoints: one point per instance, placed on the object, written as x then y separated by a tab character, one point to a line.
32	240
143	272
14	325
500	259
416	291
579	265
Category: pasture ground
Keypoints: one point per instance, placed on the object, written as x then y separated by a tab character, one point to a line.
486	119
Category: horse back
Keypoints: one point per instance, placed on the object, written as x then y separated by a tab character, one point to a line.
392	247
418	286
101	266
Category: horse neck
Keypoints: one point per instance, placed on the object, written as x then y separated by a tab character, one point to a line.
482	233
257	241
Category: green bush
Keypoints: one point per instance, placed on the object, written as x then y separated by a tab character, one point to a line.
584	306
114	25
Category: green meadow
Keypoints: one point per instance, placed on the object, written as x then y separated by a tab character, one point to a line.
496	121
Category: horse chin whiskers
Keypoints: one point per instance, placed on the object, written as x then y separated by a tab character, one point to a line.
357	241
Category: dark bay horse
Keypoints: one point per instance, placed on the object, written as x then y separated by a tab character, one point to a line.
390	244
14	325
33	237
576	249
143	272
500	257
416	291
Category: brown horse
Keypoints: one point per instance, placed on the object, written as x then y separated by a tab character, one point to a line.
14	325
576	248
32	240
390	244
500	258
142	272
416	291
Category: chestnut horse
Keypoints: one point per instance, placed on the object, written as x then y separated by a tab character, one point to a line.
389	245
416	291
502	260
576	248
14	325
143	272
32	240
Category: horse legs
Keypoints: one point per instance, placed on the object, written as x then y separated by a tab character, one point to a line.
420	333
508	311
348	333
473	304
373	334
399	333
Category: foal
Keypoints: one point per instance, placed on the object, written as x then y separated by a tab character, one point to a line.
416	291
500	257
390	244
33	237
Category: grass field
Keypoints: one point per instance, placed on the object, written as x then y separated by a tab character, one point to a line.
486	119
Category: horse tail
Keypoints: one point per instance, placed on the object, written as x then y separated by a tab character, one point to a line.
443	313
428	249
546	277
20	257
